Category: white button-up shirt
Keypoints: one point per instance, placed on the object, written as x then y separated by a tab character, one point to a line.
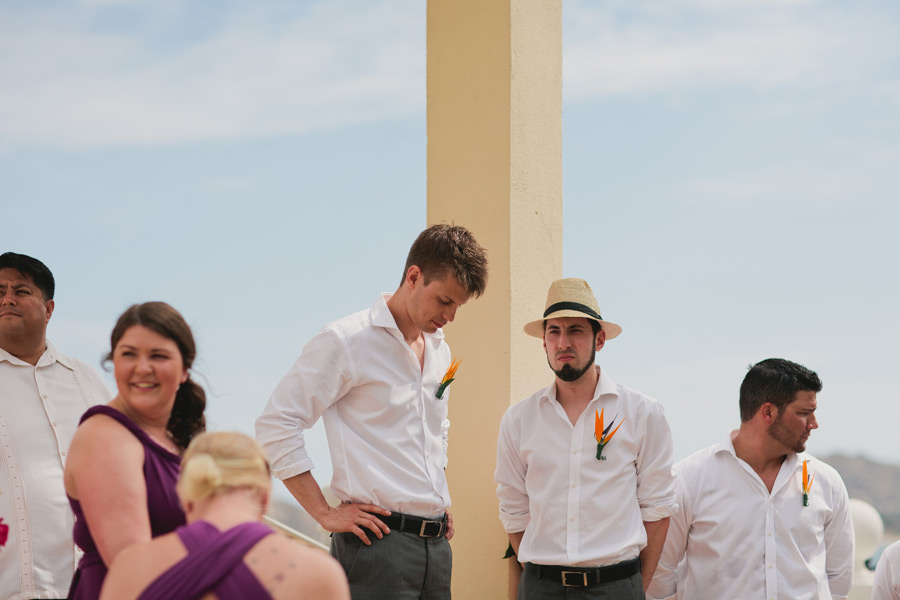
733	539
39	410
386	428
887	574
577	510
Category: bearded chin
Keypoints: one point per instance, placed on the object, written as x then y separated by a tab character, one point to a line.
570	373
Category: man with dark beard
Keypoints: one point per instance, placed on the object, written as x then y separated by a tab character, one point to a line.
760	518
584	472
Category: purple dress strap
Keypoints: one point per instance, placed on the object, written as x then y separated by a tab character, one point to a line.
161	468
214	563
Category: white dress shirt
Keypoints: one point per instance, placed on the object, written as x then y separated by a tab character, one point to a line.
887	574
386	428
39	410
733	539
577	510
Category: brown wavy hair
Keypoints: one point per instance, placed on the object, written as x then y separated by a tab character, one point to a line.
186	419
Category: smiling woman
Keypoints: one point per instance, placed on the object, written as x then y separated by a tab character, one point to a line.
124	459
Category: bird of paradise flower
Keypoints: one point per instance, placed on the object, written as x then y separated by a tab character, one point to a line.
448	378
603	435
807	484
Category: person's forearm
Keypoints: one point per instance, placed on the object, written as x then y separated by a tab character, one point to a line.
656	537
515	539
345	517
306	490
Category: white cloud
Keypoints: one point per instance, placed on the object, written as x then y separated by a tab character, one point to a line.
707	44
75	84
855	175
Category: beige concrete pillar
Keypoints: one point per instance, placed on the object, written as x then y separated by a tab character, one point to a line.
494	166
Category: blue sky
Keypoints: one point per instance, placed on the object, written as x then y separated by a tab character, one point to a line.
730	185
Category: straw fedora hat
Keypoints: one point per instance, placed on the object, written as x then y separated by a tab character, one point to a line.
571	298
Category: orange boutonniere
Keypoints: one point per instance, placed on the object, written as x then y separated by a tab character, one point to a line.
448	378
603	435
807	484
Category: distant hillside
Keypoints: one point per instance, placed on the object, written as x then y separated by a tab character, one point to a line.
876	483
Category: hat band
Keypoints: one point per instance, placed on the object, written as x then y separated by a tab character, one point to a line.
572	306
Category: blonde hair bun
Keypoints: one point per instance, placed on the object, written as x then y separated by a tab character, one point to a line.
217	462
201	477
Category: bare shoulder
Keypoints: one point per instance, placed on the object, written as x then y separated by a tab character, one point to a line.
99	443
284	567
101	430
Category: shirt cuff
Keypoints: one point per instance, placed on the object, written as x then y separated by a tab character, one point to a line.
514	524
656	513
297	468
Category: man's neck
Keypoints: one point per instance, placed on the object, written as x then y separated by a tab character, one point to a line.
397	305
30	352
574	396
751	448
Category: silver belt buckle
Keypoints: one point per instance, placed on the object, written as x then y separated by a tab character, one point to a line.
583	579
425	523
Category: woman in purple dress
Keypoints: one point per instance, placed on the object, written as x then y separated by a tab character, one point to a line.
225	552
124	459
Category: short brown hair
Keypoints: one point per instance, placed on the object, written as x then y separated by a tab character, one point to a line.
443	249
776	381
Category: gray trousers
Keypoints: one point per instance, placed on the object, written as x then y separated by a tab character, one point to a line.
532	588
399	566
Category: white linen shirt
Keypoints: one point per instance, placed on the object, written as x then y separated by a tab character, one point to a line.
887	574
386	428
39	410
577	510
735	540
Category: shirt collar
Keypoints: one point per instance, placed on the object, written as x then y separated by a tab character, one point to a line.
793	460
381	317
50	356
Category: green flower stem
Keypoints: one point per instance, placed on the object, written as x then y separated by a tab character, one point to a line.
442	387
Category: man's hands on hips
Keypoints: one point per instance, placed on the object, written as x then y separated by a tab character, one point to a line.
352	517
449	533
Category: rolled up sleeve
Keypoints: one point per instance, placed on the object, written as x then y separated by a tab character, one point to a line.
320	377
655	481
664	584
510	478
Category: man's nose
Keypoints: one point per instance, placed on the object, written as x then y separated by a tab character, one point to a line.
450	314
813	423
8	297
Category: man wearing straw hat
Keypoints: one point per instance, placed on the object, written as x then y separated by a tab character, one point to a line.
583	466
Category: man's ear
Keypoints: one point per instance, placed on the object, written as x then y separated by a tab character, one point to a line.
769	413
49	305
413	276
600	340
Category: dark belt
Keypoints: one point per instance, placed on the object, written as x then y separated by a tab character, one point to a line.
422	527
585	576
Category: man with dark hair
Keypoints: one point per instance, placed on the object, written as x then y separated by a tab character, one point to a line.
42	395
584	466
376	379
760	517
